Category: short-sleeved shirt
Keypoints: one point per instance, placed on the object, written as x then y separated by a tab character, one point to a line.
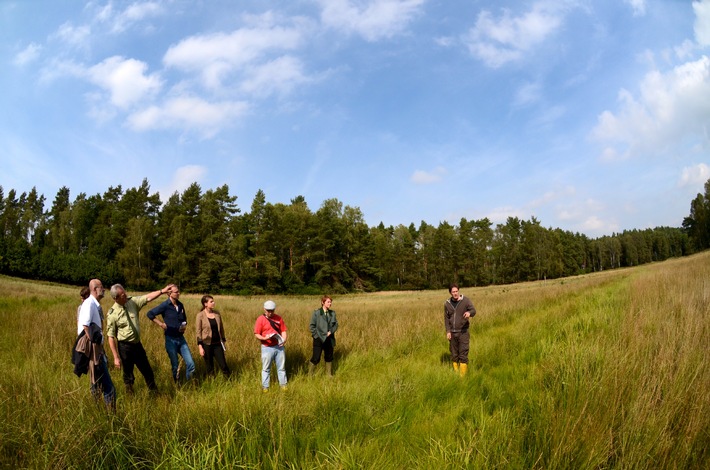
264	327
122	321
90	312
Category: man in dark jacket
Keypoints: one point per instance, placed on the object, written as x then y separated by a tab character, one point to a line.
457	311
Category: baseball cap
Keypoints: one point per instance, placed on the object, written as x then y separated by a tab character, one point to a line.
269	305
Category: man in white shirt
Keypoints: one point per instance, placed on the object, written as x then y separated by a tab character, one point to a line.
91	313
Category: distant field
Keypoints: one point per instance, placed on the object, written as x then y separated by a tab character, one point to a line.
609	370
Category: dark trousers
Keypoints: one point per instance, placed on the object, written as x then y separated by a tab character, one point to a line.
215	351
459	347
133	354
325	347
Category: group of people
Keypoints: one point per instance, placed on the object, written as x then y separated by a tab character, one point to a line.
124	338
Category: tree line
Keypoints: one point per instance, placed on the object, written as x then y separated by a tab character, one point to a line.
202	241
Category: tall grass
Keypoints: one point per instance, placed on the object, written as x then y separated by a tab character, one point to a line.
599	371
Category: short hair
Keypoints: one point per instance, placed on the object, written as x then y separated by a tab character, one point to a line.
115	290
452	285
205	298
85	292
325	297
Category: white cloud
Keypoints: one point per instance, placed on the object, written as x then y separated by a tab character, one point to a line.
182	179
582	211
499	215
551	196
188	113
527	94
639	6
670	108
27	55
428	177
74	35
595	224
119	21
702	22
372	19
278	76
499	41
125	80
695	175
216	56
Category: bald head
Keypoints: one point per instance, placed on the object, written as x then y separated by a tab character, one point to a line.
96	288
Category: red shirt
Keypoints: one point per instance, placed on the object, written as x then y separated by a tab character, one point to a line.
263	327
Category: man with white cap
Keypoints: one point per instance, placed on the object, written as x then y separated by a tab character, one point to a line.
271	330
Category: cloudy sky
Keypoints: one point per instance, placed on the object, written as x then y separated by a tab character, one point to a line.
591	115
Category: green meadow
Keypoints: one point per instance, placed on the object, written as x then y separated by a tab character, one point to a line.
602	371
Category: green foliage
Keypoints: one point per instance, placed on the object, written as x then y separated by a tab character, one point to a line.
201	241
607	370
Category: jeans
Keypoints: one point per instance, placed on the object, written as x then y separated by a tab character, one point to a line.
103	383
175	345
276	354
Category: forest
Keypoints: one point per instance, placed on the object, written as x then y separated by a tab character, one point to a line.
204	242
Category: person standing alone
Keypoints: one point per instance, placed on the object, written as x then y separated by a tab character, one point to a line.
323	326
457	312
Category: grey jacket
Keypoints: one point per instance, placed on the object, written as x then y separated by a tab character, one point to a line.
453	314
321	324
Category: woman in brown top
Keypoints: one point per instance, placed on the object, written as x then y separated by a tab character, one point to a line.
210	336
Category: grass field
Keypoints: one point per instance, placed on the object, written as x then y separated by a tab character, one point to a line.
599	371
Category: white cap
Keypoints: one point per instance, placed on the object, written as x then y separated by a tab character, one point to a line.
269	305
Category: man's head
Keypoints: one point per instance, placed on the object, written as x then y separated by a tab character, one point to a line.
118	293
454	291
174	294
96	288
269	307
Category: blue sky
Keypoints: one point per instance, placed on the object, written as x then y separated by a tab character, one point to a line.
590	115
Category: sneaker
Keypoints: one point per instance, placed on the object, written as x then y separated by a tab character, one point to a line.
265	390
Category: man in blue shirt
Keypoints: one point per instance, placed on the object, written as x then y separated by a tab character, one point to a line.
174	324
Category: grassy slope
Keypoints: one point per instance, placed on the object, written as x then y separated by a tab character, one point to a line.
601	371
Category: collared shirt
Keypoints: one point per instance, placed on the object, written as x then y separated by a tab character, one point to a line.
173	316
122	321
90	312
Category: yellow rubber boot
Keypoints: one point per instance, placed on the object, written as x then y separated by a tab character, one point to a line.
463	369
456	366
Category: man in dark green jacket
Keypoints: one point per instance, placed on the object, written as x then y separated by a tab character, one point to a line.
457	312
323	326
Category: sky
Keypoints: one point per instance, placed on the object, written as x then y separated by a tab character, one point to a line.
592	116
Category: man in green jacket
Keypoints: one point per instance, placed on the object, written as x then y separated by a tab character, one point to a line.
124	335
